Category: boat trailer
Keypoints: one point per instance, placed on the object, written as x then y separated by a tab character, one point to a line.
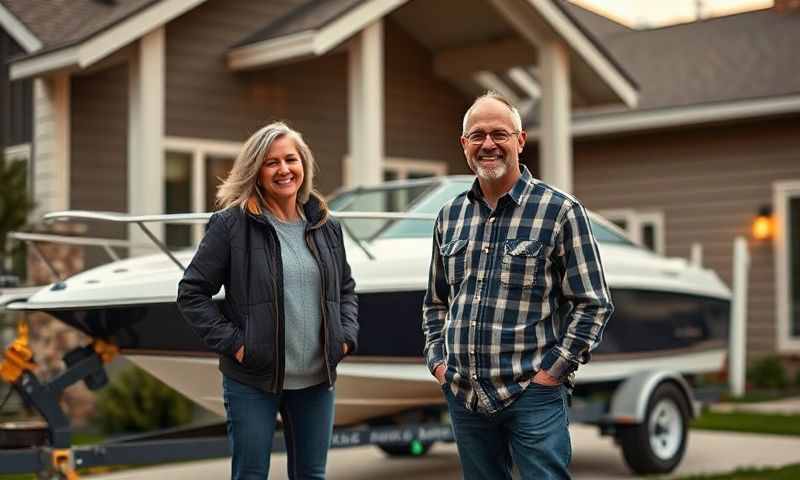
49	452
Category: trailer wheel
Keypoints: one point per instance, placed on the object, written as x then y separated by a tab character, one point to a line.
412	449
657	445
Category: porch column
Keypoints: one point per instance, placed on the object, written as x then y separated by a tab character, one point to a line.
51	138
555	142
146	133
364	164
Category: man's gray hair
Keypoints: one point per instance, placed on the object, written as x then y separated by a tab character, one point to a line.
516	119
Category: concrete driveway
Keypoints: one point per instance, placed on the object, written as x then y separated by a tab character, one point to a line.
594	457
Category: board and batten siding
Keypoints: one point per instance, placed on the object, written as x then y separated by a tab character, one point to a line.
98	150
205	100
710	184
423	112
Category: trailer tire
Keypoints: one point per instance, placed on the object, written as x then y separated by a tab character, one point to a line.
658	444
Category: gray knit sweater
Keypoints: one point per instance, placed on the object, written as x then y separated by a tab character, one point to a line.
301	300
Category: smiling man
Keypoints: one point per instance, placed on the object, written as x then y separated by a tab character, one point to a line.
516	300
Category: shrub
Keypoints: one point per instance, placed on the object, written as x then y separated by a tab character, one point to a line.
768	372
136	402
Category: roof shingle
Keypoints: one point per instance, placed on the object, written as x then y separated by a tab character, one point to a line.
61	23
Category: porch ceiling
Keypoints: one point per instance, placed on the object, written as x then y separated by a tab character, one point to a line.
475	48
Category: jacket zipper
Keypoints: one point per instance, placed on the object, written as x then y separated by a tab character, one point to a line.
322	272
277	379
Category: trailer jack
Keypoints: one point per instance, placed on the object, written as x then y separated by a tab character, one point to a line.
57	460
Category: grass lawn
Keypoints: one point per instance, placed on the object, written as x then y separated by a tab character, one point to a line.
790	472
749	422
756	396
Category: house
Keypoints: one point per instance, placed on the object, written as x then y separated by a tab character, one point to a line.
680	134
136	94
713	142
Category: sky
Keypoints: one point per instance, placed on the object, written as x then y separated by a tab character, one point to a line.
655	13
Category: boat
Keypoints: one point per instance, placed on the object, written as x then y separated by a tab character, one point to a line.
670	314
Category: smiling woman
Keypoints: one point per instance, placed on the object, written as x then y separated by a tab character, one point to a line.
290	312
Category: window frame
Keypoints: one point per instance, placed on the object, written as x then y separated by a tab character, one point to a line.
404	166
200	149
783	191
635	221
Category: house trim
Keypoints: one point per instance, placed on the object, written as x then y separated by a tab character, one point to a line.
18	31
146	131
274	51
104	43
635	220
587	50
403	166
20	152
311	42
679	116
200	149
783	190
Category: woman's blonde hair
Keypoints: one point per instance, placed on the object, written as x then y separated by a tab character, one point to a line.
242	181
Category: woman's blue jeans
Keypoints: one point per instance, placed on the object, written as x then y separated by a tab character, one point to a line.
531	433
307	416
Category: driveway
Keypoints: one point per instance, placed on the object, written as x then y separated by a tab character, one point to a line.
594	457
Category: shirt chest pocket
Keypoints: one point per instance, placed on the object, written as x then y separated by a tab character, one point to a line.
454	258
522	263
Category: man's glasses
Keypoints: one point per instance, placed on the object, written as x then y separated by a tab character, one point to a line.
498	137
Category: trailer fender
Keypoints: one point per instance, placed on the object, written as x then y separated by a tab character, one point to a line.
630	399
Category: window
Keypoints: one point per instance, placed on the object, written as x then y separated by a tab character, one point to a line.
193	170
787	264
408	169
646	228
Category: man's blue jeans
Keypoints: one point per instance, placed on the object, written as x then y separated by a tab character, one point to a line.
307	420
532	432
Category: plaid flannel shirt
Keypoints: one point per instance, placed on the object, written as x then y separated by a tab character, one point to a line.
512	291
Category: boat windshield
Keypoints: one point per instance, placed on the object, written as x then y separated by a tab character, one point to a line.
426	197
418	198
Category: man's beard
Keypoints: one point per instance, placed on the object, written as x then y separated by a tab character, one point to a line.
489	173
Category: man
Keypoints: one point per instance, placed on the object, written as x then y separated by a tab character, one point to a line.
516	300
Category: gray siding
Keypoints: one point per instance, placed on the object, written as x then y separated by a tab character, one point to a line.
98	148
710	183
203	98
206	100
423	112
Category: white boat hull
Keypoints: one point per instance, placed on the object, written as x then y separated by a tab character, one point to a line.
366	390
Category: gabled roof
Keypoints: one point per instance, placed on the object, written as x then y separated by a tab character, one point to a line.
749	55
78	33
60	23
600	26
319	26
739	64
313	15
18	30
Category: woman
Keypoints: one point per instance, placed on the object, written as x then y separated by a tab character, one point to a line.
290	311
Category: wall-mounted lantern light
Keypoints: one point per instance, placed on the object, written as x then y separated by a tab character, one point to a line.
764	224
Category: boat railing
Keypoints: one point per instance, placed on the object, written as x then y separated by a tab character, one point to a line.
177	218
361	243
